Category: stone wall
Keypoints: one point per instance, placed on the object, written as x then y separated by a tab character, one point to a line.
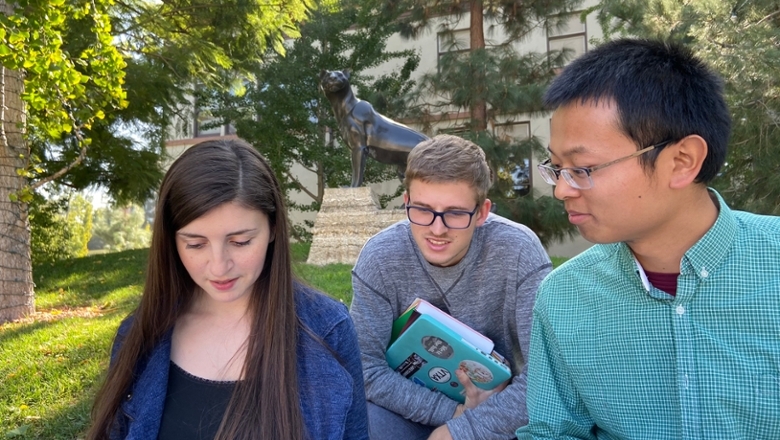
347	218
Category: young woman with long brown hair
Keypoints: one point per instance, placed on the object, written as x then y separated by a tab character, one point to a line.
225	344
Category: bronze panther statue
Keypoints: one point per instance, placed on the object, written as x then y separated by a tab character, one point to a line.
367	132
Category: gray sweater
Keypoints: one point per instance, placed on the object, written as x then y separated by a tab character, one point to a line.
492	289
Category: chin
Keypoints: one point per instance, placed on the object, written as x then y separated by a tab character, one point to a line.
440	260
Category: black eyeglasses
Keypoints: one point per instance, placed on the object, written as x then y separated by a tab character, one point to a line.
579	177
454	219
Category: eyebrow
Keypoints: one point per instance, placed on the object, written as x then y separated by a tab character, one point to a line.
449	208
579	149
229	234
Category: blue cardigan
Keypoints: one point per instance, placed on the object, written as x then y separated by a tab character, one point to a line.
332	397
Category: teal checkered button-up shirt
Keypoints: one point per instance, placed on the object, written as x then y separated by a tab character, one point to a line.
615	358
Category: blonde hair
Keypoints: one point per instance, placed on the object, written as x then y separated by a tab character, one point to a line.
447	158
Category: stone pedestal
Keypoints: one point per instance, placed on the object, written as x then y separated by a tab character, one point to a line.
347	218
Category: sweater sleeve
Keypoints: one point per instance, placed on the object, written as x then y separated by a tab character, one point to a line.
373	312
500	415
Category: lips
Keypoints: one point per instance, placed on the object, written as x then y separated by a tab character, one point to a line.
223	284
437	244
577	218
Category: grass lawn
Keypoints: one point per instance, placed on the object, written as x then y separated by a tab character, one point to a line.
51	364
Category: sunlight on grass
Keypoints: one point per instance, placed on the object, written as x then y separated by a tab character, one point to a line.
48	368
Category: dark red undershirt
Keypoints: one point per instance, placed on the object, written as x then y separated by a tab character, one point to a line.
663	281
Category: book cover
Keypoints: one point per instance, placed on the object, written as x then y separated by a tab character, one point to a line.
428	352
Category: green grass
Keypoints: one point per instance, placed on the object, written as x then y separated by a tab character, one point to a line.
51	367
557	261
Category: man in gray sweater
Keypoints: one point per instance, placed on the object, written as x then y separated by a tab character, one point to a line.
479	267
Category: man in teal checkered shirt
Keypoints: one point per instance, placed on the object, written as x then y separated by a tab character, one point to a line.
669	327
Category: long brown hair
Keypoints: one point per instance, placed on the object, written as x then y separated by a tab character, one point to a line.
265	403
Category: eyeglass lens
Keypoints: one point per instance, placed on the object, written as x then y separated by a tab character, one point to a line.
426	217
576	177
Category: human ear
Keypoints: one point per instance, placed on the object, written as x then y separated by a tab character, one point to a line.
483	211
688	157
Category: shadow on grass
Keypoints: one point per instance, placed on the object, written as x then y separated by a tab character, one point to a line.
8	332
63	383
70	423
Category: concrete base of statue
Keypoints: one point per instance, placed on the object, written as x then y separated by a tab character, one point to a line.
347	218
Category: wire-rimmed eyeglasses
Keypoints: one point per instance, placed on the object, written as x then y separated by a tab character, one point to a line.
579	177
454	219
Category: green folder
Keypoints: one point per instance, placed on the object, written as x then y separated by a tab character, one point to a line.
400	323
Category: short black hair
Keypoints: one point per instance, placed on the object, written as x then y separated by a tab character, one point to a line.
662	93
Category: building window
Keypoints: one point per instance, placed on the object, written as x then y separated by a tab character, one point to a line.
457	130
517	169
570	36
207	125
457	41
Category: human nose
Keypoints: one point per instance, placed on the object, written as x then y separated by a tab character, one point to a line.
221	262
563	190
438	227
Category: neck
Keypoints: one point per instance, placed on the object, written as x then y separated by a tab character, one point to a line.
227	312
342	101
662	251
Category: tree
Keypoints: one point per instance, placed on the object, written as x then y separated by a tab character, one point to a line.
121	228
61	227
89	72
285	115
740	40
491	81
62	93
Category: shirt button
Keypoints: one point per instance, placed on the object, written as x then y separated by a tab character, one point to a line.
704	272
680	310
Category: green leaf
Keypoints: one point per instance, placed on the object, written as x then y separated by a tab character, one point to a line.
18	432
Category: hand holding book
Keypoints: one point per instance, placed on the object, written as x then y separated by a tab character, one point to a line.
474	394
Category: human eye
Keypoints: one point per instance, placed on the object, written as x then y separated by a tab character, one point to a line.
242	243
457	219
420	211
193	245
579	174
457	214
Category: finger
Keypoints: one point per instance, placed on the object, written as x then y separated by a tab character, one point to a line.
465	380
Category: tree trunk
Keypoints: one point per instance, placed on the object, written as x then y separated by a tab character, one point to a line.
16	285
477	34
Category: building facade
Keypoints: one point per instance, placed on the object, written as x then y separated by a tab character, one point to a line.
576	35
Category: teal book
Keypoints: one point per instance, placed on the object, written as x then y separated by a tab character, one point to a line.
429	352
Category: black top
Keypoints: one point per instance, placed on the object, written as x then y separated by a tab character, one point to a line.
194	406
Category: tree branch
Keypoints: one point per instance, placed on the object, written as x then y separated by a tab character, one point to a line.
300	185
767	17
78	160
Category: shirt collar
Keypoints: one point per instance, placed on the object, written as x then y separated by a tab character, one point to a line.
707	253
